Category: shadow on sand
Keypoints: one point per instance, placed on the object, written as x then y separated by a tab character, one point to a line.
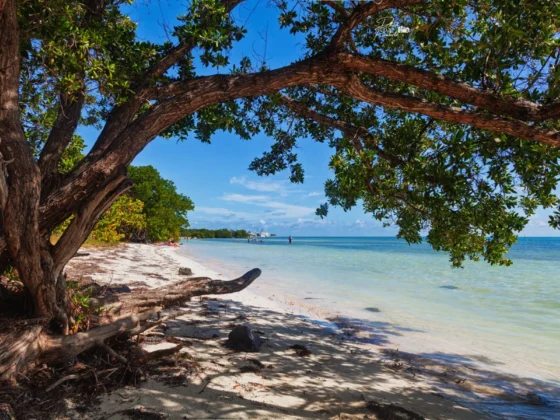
346	371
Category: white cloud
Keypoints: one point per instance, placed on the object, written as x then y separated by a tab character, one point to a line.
280	187
243	198
214	210
315	194
225	213
287	210
262	222
360	223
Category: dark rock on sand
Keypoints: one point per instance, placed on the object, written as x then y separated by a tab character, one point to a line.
184	271
392	411
448	287
242	338
120	289
301	350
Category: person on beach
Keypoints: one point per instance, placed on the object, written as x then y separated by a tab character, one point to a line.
290	239
171	242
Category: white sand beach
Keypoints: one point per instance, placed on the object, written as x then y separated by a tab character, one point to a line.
343	377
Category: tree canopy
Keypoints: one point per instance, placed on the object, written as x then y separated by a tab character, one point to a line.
217	233
443	115
164	208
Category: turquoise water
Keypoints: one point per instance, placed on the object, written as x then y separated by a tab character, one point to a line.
505	318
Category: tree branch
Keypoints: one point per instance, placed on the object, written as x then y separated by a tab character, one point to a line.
353	133
186	97
452	114
518	108
122	115
350	131
84	221
337	7
69	112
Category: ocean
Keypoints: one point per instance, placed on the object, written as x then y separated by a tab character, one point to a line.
503	319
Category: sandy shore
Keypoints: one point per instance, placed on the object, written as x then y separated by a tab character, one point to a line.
344	377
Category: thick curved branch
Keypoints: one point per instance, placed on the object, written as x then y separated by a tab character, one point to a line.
183	98
517	108
180	99
452	114
69	112
85	219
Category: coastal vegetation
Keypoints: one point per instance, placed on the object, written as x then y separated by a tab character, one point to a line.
152	210
165	210
443	117
217	233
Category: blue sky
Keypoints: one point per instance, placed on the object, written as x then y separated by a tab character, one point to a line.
215	176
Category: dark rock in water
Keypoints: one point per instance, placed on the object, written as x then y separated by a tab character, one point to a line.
372	310
242	338
449	287
184	271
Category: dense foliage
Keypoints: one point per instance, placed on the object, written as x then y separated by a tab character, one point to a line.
165	210
218	233
442	115
124	220
152	210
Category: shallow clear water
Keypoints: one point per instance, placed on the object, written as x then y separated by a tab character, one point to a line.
505	318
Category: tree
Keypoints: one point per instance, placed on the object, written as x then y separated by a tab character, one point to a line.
124	219
165	209
218	233
443	115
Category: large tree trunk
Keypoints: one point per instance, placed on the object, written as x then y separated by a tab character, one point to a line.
25	240
21	178
126	314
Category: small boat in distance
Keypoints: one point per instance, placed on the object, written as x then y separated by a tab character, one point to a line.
256	237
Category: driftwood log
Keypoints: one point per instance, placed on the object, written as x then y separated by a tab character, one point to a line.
125	314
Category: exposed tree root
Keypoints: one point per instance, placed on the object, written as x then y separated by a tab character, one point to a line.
62	380
148	356
126	314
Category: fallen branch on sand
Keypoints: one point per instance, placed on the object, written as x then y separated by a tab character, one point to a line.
126	314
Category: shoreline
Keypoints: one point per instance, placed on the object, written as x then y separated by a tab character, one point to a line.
440	390
416	301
